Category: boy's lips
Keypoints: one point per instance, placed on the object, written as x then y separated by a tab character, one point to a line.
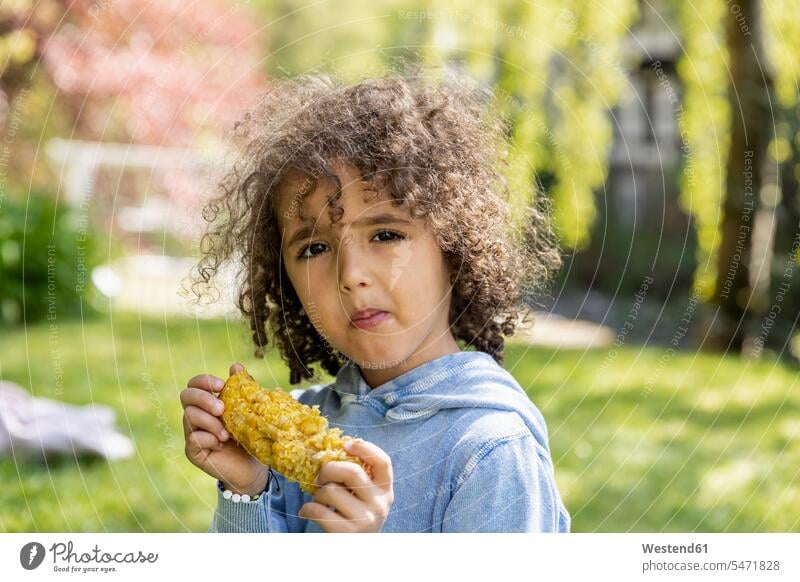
364	313
368	318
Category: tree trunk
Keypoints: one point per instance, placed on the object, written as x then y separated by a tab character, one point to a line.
751	126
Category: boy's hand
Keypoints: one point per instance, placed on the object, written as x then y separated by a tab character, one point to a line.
360	504
208	446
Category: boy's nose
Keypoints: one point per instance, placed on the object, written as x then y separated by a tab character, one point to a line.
353	269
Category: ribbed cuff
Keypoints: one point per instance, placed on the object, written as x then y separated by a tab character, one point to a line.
244	516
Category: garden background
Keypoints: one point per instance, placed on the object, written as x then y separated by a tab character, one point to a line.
666	134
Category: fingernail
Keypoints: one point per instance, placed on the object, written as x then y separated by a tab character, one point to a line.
219	407
218	383
224	434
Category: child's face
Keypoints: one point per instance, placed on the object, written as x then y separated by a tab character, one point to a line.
395	267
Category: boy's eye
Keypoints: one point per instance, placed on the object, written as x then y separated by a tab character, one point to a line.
302	254
393	237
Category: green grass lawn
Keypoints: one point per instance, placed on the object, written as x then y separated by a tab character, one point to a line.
695	443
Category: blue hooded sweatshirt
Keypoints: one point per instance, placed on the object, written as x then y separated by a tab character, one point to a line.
469	452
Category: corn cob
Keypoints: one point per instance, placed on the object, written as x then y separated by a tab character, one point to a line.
284	434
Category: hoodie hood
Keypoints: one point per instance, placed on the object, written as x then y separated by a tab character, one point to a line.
464	379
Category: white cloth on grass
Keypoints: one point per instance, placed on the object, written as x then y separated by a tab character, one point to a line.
35	426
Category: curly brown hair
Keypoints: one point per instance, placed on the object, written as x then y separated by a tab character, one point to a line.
436	146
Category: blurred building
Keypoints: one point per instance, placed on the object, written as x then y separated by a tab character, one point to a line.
644	168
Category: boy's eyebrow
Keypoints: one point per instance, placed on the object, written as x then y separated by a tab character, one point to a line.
383	218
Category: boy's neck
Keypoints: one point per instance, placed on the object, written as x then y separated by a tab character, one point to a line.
376	376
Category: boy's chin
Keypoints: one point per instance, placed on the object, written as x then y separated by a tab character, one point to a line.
374	362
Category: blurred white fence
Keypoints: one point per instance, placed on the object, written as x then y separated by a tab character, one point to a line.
156	228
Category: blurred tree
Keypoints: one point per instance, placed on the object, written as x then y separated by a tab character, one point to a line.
26	95
730	182
23	32
166	73
355	38
46	255
558	71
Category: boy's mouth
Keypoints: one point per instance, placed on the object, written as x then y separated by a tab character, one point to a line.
368	318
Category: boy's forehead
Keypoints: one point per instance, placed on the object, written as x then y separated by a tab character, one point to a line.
299	189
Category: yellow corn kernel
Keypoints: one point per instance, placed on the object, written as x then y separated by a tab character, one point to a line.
291	437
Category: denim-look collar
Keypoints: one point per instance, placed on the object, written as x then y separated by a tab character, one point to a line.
464	379
350	380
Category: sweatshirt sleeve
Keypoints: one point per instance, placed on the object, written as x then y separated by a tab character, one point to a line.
265	515
509	489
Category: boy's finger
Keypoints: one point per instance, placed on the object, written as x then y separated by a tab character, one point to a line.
201	440
380	461
348	474
236	368
206	382
327	519
203	400
200	419
338	497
